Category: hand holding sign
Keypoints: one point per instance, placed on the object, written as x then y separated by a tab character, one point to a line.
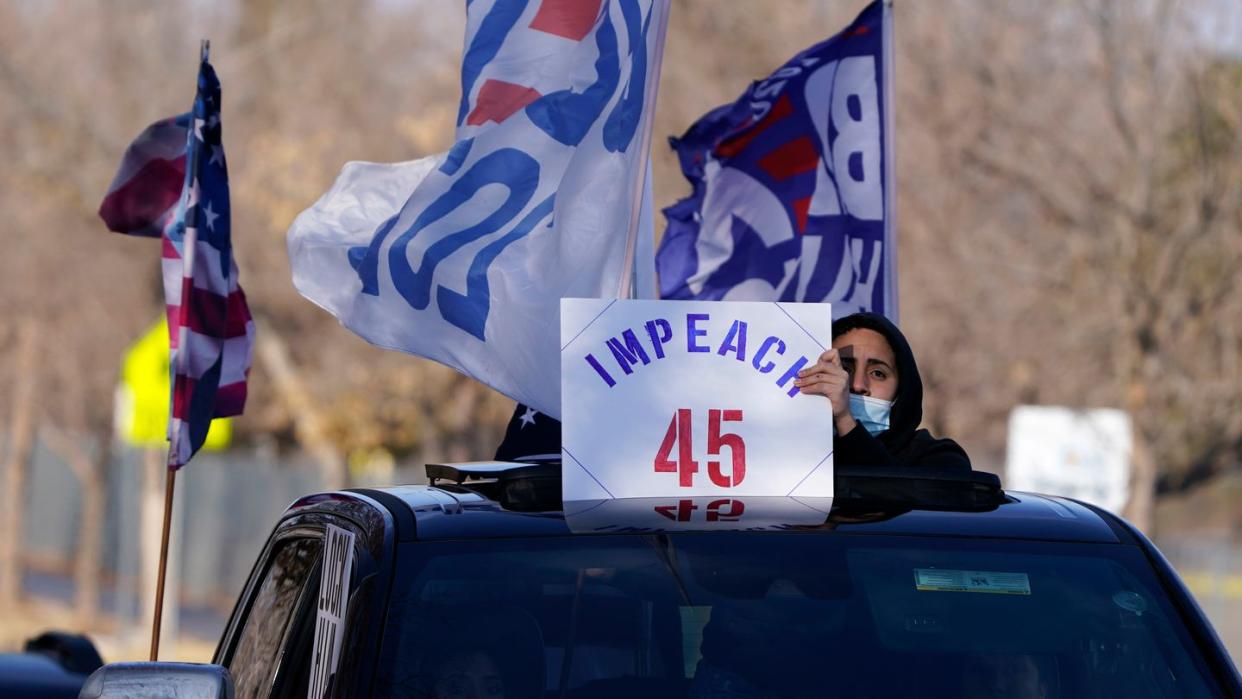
827	378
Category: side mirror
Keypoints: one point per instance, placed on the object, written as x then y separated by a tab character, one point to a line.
151	680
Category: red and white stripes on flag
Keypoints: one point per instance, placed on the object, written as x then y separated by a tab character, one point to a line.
173	182
211	335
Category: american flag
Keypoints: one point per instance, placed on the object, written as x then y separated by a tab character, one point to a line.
173	183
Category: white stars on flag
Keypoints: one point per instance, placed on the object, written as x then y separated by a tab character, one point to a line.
528	417
211	217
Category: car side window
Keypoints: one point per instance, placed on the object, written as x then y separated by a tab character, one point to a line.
289	585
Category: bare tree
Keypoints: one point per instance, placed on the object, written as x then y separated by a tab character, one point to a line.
1068	196
17	463
1098	161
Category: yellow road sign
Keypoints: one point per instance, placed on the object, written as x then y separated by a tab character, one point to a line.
142	397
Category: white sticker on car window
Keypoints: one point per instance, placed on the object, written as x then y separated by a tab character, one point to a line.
338	563
944	580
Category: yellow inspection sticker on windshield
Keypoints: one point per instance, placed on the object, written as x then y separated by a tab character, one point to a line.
944	580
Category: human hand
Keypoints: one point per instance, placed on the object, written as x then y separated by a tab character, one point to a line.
827	378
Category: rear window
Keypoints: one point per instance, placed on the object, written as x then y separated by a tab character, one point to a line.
782	615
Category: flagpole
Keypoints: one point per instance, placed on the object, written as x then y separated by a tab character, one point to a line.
890	160
625	284
174	447
169	485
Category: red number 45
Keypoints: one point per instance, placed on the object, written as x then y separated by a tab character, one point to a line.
679	432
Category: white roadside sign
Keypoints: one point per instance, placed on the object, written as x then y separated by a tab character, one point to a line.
692	398
1082	454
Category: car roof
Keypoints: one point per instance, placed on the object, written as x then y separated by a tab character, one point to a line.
451	513
35	674
465	510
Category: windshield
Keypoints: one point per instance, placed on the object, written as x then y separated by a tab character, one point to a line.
781	615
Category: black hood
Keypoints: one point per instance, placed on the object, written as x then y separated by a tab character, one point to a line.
907	411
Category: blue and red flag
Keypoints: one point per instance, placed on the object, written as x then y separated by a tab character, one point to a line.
793	196
173	183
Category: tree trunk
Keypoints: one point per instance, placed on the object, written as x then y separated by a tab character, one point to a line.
1141	506
1143	472
87	567
21	442
90	470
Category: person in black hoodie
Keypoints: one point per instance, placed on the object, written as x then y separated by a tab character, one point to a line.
872	382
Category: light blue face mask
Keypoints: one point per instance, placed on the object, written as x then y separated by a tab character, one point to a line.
871	413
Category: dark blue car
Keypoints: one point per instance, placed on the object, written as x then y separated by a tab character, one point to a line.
911	585
53	666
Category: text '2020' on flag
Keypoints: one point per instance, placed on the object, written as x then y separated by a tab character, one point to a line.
463	258
793	193
173	183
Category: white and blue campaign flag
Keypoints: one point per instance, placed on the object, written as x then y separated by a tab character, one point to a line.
793	193
463	258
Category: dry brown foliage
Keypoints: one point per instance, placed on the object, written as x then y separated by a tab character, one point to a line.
1069	199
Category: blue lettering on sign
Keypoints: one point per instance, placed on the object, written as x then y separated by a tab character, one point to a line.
768	344
659	340
566	115
628	354
735	341
600	370
693	332
632	348
791	373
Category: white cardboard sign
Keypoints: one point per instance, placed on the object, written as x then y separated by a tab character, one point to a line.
692	398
